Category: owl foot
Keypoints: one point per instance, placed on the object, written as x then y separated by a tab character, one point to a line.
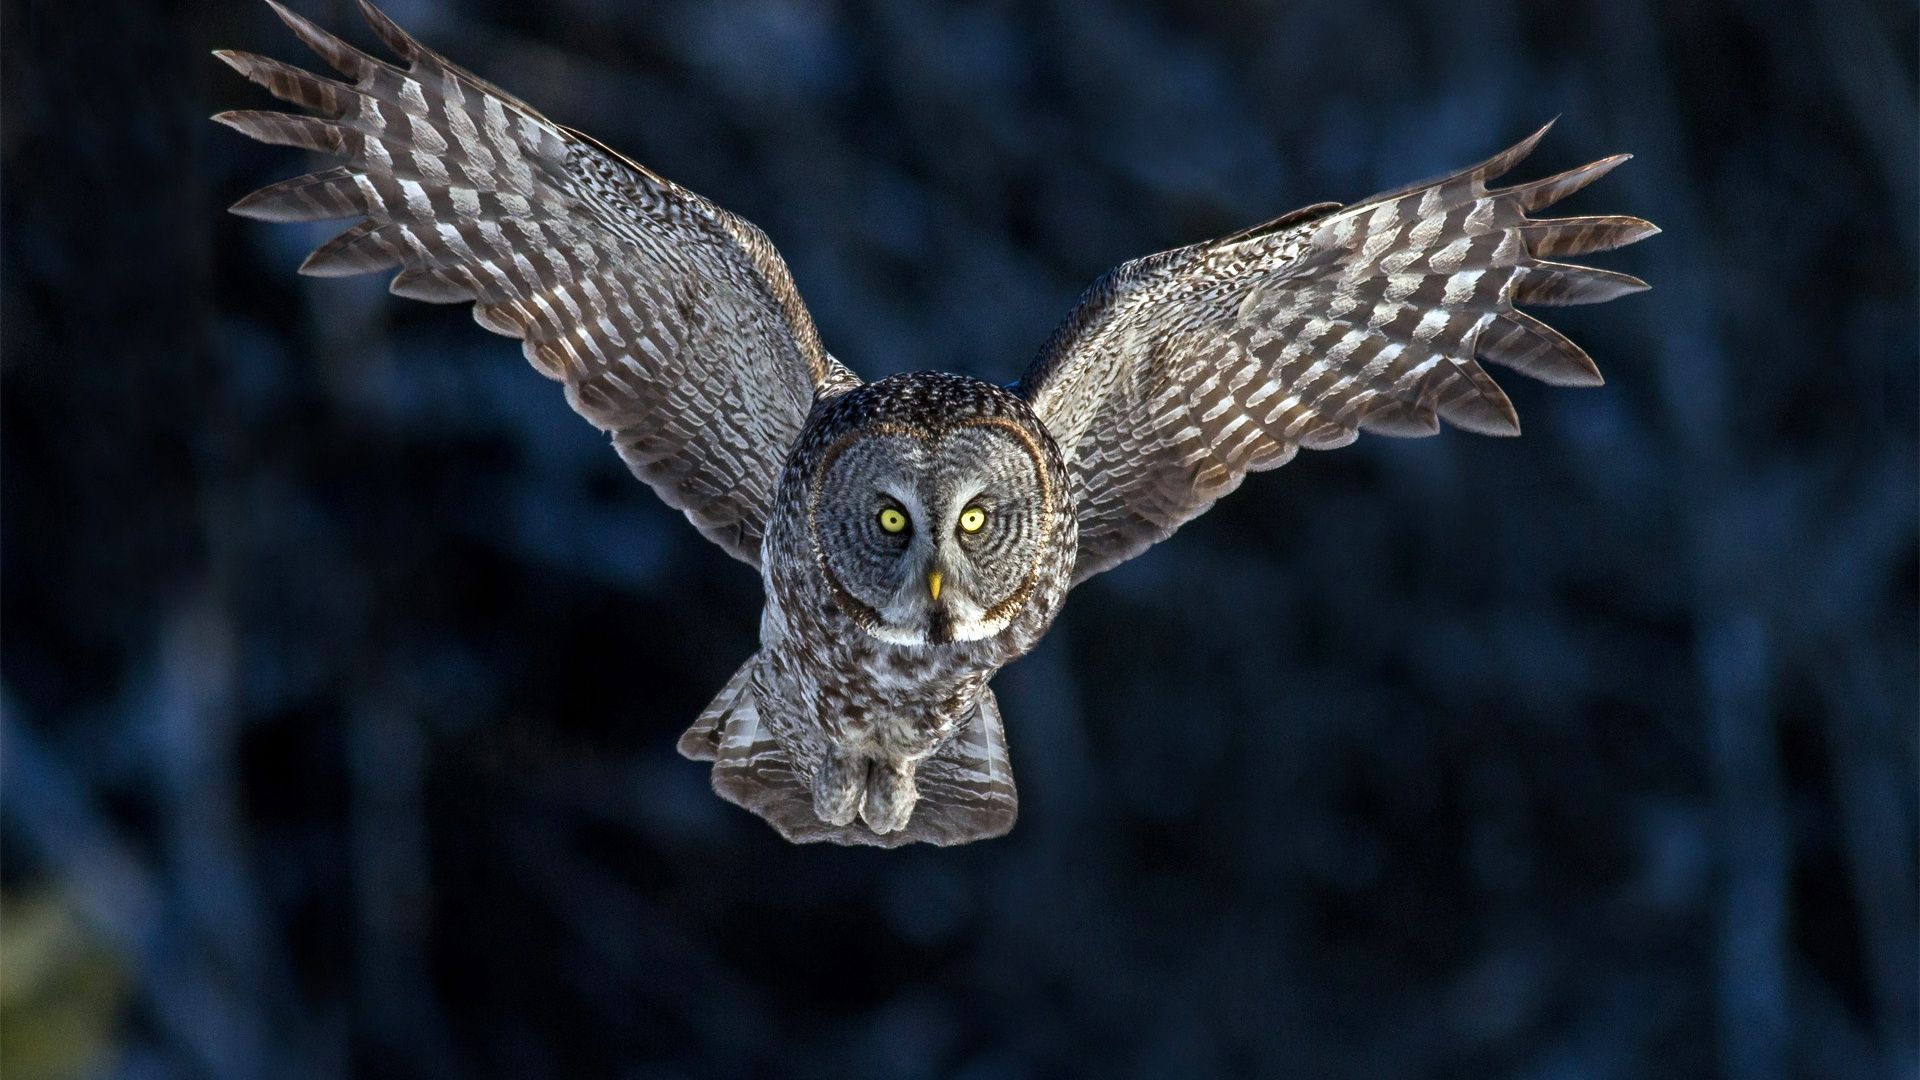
838	784
890	796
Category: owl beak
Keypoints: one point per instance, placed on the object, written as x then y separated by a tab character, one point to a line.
933	584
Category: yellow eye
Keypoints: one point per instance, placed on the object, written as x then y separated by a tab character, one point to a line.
892	520
973	519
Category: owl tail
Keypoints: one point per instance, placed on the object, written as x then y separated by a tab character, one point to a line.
701	742
966	789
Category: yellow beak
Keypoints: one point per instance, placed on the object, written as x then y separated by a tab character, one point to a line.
933	584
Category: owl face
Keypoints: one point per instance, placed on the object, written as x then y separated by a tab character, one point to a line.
932	537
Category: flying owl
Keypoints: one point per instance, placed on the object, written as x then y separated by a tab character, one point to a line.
916	533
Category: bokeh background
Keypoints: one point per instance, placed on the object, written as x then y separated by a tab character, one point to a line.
342	664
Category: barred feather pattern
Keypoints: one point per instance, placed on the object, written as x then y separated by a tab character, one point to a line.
966	790
1179	373
673	325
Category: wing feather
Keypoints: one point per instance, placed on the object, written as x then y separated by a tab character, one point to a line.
673	325
1179	373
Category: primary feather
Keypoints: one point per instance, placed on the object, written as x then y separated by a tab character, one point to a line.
1179	373
673	325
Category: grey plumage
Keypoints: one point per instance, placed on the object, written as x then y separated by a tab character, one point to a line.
915	534
1179	373
673	325
860	671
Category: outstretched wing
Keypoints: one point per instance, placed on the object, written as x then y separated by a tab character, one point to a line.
674	325
1179	373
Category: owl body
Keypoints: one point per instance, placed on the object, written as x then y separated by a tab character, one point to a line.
864	672
915	534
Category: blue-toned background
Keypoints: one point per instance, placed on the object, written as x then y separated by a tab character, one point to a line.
343	665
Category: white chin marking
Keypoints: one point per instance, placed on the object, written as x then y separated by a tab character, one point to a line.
894	635
974	630
961	630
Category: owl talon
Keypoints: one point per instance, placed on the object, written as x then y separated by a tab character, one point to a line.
891	795
838	785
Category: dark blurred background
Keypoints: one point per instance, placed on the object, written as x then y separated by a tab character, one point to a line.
343	664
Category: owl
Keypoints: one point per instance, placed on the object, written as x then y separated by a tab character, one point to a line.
916	533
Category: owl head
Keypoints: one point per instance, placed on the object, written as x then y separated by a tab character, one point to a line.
934	509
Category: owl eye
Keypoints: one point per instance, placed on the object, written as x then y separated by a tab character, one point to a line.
973	519
892	521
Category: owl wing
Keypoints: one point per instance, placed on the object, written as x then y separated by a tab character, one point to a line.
673	325
1179	373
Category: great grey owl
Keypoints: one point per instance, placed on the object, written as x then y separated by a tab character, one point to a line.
916	533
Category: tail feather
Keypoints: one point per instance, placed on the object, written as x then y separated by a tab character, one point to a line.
701	742
966	788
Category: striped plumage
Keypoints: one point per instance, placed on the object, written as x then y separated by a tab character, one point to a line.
675	327
1179	373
